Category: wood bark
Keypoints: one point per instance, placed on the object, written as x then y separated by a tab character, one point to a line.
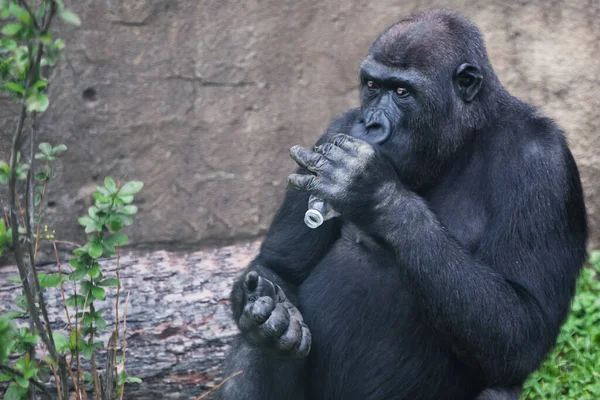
179	323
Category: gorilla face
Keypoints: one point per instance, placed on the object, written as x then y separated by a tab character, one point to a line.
417	108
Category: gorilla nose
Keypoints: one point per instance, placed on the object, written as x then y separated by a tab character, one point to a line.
377	126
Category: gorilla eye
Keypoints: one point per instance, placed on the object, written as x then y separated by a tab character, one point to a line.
370	84
402	92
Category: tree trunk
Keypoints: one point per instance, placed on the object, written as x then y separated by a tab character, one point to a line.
179	322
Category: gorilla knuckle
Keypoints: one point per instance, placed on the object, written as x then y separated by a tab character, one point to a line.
276	324
262	309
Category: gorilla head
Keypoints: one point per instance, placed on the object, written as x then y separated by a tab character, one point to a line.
426	87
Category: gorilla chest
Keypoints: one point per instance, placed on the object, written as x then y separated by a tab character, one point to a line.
462	214
368	327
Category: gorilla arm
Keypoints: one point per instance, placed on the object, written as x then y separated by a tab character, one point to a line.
288	254
500	313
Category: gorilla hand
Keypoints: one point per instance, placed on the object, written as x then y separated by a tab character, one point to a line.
270	320
349	174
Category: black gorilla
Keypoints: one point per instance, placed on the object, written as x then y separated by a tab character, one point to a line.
453	263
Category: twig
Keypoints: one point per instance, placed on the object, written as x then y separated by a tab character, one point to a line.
67	243
26	7
94	366
124	341
37	233
31	273
53	368
62	289
219	385
43	388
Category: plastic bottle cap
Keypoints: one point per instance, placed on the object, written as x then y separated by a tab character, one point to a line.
313	218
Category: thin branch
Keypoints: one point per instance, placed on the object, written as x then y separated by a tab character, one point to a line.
219	385
62	289
26	7
124	341
37	384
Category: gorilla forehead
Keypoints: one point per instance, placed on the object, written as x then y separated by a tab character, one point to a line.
429	40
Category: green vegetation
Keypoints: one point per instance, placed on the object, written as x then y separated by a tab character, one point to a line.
31	350
572	371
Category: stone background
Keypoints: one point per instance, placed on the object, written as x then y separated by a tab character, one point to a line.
202	99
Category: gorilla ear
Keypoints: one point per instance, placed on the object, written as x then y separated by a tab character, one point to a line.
467	81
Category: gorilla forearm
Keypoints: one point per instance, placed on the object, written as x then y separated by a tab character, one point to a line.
482	313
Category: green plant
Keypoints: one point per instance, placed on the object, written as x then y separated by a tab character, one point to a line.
572	371
26	46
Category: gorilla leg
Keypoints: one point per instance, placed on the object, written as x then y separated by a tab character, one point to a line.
500	394
264	377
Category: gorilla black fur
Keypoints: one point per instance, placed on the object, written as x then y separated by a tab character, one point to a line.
462	233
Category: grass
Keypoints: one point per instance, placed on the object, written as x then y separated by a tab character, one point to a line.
572	371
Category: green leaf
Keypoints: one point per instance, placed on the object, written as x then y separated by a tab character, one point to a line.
70	17
20	13
77	275
88	377
21	302
77	263
103	191
41	176
122	378
109	282
133	379
118	239
50	280
4	168
46	38
11	29
60	341
45	148
110	185
75	300
37	102
98	293
86	221
14	392
86	287
129	210
41	84
95	250
15	87
126	199
100	198
100	323
87	352
116	223
94	272
127	220
131	188
59	149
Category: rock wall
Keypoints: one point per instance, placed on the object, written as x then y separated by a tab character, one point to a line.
202	99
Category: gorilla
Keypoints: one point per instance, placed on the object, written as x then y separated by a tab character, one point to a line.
452	266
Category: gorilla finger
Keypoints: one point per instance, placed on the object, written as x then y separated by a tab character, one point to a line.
247	321
257	286
330	151
307	158
291	337
303	182
277	323
305	343
251	281
294	312
262	309
348	143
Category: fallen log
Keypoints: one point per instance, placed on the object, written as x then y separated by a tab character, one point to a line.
179	324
